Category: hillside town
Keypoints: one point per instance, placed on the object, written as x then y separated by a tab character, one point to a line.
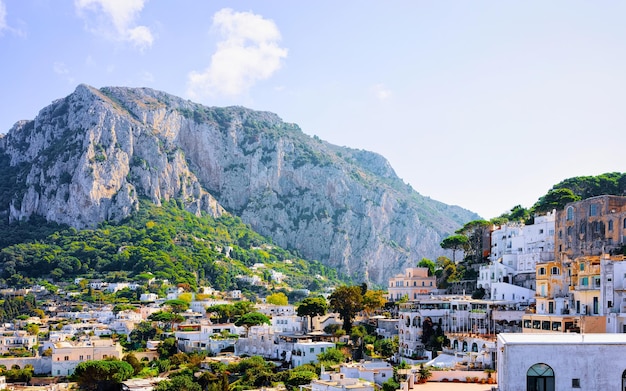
555	286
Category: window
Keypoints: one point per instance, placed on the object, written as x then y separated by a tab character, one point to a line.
593	210
527	323
536	324
311	350
610	225
570	214
582	267
542	271
80	358
556	326
584	281
575	383
66	358
569	231
554	271
545	325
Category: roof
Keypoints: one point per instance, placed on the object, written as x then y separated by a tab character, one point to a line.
562	338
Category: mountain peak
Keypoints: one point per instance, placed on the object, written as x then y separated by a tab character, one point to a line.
91	156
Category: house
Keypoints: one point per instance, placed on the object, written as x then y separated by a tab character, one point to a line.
305	352
330	381
66	356
205	337
559	362
414	283
12	339
372	371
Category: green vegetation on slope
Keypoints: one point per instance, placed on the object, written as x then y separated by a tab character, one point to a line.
167	241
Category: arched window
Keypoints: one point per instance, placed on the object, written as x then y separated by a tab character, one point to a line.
455	345
570	213
465	346
474	347
540	377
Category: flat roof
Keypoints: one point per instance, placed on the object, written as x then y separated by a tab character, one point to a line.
562	338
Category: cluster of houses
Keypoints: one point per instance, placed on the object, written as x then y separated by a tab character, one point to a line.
557	285
555	302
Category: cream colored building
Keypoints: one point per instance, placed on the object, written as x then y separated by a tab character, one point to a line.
66	355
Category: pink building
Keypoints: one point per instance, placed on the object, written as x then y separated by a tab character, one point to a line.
413	283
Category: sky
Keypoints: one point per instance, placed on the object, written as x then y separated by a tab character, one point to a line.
482	104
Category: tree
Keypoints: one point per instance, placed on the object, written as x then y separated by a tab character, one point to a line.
475	231
298	378
178	383
555	199
455	243
166	318
332	356
177	306
374	300
278	298
102	375
252	319
347	301
167	348
430	265
312	306
134	362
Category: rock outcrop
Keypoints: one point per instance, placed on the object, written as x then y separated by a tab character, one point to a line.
90	157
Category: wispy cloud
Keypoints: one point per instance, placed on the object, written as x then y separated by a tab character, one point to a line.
4	25
248	52
62	70
3	17
115	19
381	92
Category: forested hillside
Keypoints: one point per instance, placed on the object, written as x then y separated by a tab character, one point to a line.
166	241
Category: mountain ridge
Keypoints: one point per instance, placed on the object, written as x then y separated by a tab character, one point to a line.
90	156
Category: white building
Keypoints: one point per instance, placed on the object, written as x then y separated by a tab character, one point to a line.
559	362
372	371
340	382
148	297
520	247
306	352
287	323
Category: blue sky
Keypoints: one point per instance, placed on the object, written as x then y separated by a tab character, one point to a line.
481	104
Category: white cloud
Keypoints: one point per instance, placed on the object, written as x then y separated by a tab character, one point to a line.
62	70
4	25
381	92
115	19
3	17
247	53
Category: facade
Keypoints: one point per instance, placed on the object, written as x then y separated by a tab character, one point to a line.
14	339
340	382
305	352
205	337
66	356
372	371
594	226
415	282
452	314
516	249
550	362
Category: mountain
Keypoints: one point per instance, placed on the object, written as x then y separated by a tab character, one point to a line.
93	155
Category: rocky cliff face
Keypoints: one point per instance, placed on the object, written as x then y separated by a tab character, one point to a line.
90	156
